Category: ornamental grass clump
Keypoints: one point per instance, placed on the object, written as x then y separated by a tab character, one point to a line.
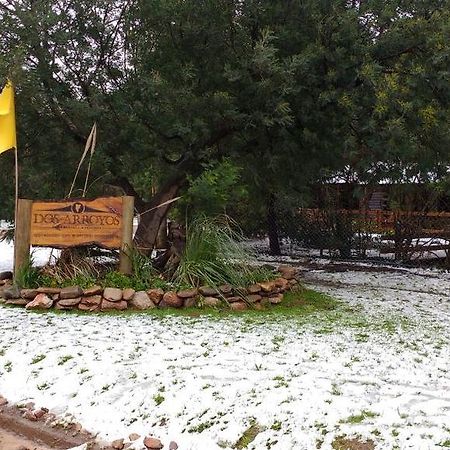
215	255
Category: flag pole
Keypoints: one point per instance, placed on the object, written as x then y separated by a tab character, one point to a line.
16	163
16	204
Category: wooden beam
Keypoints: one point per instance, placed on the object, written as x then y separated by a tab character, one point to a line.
22	234
125	265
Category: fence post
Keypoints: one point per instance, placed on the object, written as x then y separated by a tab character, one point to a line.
125	265
22	234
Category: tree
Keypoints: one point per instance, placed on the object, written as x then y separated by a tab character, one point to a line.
291	91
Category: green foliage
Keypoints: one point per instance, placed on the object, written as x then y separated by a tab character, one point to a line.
117	280
142	278
28	276
213	191
214	255
248	436
289	91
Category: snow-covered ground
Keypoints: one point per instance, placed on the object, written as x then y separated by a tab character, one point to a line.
377	367
40	256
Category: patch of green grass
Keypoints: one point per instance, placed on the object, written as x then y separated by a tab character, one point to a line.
248	436
358	418
63	359
38	358
158	399
276	426
445	444
28	276
200	427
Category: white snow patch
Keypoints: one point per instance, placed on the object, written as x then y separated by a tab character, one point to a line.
202	381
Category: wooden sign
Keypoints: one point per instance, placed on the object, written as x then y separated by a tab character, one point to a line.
106	222
72	223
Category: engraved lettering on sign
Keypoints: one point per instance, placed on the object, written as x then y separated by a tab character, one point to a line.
78	222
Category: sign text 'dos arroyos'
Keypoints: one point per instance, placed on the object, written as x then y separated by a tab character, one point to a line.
70	223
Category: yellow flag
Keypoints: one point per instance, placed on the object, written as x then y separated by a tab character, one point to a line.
7	119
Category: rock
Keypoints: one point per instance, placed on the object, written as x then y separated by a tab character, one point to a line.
6	275
152	443
118	444
212	301
55	297
63	308
39	413
93	300
134	437
258	306
155	295
29	293
187	293
90	303
173	445
11	292
190	302
276	299
254	289
141	300
69	302
281	283
18	302
293	282
3	401
172	300
29	415
207	291
112	294
267	286
127	294
226	289
40	301
254	298
287	272
234	299
238	306
93	290
49	290
70	292
118	305
89	308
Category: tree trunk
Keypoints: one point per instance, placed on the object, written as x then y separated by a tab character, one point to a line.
152	215
272	227
161	239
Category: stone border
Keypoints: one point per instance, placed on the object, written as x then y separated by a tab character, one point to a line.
98	299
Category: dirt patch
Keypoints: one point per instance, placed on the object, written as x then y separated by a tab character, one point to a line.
11	441
18	432
352	444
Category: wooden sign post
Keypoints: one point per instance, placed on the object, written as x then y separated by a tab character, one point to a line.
106	222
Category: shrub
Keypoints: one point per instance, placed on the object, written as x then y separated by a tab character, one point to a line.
214	255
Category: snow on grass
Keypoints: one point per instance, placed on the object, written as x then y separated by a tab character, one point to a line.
377	367
368	369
